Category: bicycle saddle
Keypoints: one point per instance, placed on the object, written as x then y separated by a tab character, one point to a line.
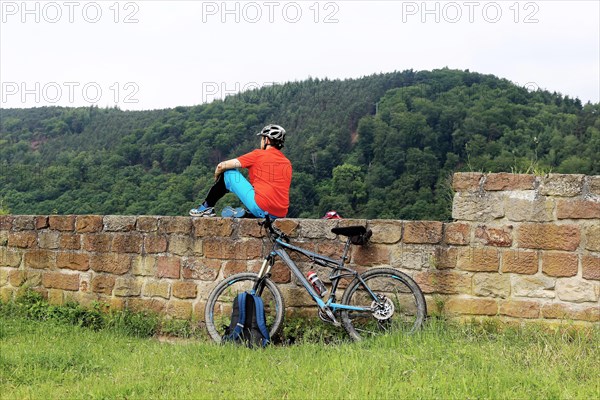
350	231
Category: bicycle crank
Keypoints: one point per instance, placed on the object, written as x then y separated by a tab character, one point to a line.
326	315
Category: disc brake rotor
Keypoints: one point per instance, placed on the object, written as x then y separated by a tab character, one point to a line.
383	310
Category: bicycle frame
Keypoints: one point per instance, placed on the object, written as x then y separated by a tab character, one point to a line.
338	271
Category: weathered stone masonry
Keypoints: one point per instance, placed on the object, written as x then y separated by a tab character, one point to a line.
522	247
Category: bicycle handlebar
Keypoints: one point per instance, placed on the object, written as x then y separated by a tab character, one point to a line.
274	233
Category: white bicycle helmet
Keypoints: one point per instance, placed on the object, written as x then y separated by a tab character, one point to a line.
274	132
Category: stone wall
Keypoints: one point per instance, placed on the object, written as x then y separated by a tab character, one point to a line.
521	247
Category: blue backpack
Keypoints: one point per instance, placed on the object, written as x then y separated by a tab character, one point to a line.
248	324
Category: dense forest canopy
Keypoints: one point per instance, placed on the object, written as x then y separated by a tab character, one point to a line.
382	146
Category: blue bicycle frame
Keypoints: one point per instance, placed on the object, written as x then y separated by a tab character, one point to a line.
338	272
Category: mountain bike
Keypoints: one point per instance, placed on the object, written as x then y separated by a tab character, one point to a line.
378	301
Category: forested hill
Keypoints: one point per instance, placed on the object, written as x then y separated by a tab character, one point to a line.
382	146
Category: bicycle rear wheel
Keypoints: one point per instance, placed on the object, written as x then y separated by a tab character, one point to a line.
217	313
401	308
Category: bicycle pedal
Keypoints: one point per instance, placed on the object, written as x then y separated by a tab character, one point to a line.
326	315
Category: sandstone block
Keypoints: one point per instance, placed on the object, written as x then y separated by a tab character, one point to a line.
184	245
179	309
491	285
157	289
88	223
525	206
116	303
371	255
103	284
466	181
4	273
578	209
410	257
444	282
520	262
471	306
15	277
533	286
445	258
6	222
3	238
74	261
478	259
118	264
56	297
41	222
185	290
422	232
155	244
594	184
232	267
202	269
520	309
571	312
317	229
39	259
248	227
296	297
127	243
212	227
592	237
590	267
477	206
457	233
126	287
548	236
565	185
331	248
22	240
57	280
63	223
506	181
144	266
168	267
7	294
280	273
387	232
147	224
576	290
119	223
228	249
146	305
288	226
97	242
85	282
24	223
501	236
9	258
49	240
180	225
560	264
70	241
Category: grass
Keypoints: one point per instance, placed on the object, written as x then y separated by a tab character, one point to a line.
57	360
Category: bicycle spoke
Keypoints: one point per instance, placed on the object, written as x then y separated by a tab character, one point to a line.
399	305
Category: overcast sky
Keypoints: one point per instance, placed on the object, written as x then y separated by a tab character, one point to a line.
160	54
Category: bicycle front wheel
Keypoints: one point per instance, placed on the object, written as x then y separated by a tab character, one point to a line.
400	305
217	313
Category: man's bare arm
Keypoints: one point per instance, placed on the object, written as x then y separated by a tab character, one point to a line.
226	165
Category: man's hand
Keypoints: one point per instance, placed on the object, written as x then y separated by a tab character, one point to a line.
226	165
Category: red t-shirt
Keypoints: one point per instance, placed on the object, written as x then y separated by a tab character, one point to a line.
270	174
